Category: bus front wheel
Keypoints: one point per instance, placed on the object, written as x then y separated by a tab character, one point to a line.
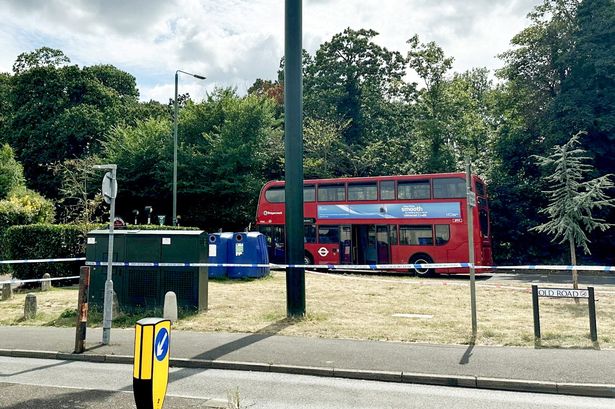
307	259
422	259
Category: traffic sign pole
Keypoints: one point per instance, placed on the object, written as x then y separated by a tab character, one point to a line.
471	202
109	194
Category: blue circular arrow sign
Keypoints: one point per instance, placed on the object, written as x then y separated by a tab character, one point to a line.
161	345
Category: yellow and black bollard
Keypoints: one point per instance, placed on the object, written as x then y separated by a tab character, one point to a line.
151	362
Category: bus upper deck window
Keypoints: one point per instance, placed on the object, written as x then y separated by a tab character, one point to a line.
449	188
413	189
309	193
480	188
331	193
362	191
275	194
387	190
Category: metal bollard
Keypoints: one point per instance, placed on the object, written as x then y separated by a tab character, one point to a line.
46	285
29	311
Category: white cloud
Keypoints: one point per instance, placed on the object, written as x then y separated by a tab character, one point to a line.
233	42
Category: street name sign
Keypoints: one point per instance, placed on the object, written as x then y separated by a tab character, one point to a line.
562	293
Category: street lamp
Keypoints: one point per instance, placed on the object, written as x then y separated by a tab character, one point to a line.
200	77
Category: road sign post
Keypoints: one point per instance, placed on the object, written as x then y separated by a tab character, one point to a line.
151	362
109	191
471	202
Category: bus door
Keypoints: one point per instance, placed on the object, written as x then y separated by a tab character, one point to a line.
346	244
382	244
371	244
364	244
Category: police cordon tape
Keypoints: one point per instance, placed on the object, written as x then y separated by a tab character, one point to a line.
42	260
356	266
310	266
37	280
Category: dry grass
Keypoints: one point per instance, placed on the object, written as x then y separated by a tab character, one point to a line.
53	307
363	308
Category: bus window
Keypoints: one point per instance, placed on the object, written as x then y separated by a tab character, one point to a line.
309	233
449	188
328	234
416	235
483	220
309	193
331	193
363	191
480	188
443	234
387	190
413	190
275	194
393	234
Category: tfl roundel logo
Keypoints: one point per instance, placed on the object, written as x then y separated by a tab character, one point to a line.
161	345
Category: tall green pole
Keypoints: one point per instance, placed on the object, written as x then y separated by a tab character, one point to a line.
175	152
293	138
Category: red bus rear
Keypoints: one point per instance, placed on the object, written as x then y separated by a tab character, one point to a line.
382	220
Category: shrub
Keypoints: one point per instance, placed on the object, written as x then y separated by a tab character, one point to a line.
11	171
44	241
24	206
53	241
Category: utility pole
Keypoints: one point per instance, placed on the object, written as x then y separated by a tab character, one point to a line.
293	143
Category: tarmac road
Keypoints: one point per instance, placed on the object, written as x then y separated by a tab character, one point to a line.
33	383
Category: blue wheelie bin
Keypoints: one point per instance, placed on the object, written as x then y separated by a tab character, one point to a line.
218	253
248	248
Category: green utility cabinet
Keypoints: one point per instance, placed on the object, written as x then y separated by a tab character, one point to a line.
143	288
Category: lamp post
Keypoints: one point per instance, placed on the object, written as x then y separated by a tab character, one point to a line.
200	77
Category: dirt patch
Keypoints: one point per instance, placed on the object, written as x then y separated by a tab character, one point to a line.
378	308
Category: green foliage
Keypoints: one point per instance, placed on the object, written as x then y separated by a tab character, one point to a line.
24	206
143	154
572	199
222	175
11	172
61	112
41	57
44	241
434	139
350	77
325	153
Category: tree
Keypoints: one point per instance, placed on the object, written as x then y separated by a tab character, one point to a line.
348	79
39	58
325	153
435	141
144	157
61	112
572	200
78	202
224	173
11	172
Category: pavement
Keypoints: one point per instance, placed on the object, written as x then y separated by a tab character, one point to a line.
584	372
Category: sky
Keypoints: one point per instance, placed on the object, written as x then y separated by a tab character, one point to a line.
234	42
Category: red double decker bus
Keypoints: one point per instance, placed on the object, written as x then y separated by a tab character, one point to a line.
414	219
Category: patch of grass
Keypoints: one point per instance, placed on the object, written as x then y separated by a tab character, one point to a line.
362	307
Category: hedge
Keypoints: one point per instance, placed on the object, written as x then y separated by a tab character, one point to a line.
53	241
